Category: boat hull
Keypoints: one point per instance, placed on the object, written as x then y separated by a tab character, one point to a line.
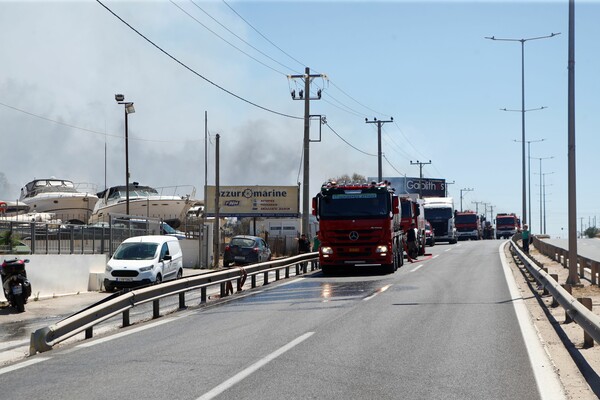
71	207
170	210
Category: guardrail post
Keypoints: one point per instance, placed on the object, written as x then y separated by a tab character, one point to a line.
182	300
594	268
265	278
253	281
155	309
223	289
582	265
126	321
297	269
277	275
287	271
203	295
565	261
89	332
545	291
554	301
569	290
588	341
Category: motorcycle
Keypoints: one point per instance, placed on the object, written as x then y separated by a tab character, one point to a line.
17	288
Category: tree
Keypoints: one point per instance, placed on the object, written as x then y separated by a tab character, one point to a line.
591	232
346	178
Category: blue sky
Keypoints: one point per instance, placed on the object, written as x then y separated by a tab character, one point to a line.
426	64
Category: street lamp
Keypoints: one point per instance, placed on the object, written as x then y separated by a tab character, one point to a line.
522	41
541	176
544	195
129	109
529	166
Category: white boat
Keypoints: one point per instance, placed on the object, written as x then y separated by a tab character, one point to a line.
12	208
69	202
169	204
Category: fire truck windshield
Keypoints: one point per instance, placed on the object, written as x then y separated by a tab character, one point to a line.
465	218
505	221
355	204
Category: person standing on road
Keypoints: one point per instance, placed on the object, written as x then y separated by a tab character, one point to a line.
411	241
525	237
303	247
315	248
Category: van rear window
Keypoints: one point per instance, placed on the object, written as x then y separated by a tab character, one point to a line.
135	251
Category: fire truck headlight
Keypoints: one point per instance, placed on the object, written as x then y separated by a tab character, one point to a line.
381	249
326	250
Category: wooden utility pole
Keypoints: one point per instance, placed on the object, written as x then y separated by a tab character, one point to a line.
379	154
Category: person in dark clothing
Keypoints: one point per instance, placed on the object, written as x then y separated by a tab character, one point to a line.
303	244
303	247
411	241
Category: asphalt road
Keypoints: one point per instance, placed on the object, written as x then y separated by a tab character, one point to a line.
589	248
444	327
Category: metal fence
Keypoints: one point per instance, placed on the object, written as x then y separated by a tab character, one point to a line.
101	238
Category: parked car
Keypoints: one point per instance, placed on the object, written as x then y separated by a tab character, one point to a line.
244	249
429	238
143	260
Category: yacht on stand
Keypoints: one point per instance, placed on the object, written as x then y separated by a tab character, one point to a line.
69	202
169	204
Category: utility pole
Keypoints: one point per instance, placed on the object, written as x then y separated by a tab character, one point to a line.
449	183
379	125
461	195
573	278
477	203
305	95
420	164
216	224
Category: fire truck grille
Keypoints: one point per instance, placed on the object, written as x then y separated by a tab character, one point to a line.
359	237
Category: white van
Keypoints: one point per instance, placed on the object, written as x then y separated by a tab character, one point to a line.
143	260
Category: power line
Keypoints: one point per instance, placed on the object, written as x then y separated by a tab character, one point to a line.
234	34
192	70
91	130
263	36
348	143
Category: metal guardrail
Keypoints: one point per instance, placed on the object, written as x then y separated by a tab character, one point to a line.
45	338
585	318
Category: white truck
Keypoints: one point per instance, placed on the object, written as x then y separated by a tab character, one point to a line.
439	212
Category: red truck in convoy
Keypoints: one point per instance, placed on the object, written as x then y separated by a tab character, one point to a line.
468	225
507	225
359	225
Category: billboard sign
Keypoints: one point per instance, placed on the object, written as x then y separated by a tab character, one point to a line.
254	201
428	187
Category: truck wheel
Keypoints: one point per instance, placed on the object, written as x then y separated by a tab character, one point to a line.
326	269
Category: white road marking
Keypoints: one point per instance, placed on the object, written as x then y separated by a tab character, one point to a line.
253	368
547	380
436	256
378	291
416	268
22	365
129	332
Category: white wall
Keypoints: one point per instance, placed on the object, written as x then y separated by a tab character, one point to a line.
52	275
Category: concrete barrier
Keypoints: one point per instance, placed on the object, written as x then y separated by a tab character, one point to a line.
54	275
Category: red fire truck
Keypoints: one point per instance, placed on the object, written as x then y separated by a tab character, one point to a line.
507	225
468	225
359	225
412	212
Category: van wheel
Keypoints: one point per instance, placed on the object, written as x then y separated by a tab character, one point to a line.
158	279
179	274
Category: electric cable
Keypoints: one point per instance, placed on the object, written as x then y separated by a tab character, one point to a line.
192	70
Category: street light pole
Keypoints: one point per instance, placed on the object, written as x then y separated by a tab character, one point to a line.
529	169
522	41
129	109
420	164
541	158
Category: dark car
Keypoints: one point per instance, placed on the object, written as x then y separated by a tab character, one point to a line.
245	249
